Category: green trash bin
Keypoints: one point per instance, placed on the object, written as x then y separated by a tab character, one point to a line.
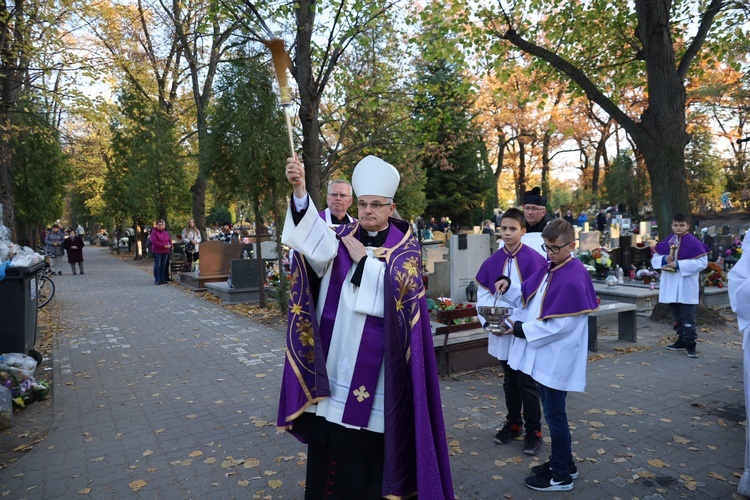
18	308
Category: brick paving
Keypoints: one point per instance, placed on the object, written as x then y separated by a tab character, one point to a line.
160	394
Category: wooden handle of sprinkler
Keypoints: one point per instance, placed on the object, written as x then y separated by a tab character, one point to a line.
289	131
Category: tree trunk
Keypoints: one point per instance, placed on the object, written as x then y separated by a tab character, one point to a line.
7	200
546	140
521	182
501	145
259	254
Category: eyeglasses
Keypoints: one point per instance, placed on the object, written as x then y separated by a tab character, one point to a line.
554	250
375	205
338	195
527	208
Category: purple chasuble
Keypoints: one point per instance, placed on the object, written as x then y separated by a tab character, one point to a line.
526	259
569	292
688	247
416	449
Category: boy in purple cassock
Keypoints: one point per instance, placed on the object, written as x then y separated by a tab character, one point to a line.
682	257
517	261
551	333
360	384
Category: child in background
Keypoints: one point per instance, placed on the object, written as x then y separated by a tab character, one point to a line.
679	288
551	344
516	261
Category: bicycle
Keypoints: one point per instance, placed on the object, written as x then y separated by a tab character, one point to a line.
45	287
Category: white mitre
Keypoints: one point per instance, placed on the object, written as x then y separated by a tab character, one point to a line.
375	177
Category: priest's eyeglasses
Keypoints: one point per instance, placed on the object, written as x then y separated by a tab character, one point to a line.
338	195
553	249
375	205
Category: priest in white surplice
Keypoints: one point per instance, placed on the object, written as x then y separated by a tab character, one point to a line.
360	385
339	199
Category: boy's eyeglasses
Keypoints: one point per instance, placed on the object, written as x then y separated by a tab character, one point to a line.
553	249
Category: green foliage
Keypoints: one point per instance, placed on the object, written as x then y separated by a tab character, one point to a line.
39	169
219	215
246	147
625	184
146	178
368	111
703	169
458	182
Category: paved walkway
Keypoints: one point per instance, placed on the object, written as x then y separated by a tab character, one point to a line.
160	394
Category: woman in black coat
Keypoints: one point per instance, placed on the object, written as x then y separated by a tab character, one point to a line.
73	244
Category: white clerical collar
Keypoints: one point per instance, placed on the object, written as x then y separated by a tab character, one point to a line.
372	234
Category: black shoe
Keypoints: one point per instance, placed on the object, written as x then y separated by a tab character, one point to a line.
690	350
59	273
677	346
508	433
544	469
532	443
74	273
82	273
550	482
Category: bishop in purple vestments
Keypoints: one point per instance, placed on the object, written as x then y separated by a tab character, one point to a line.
360	384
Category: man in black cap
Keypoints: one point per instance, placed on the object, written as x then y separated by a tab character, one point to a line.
535	210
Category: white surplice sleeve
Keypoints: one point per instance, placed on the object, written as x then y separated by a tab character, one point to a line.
312	237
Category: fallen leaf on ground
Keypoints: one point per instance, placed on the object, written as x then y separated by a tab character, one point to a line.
137	484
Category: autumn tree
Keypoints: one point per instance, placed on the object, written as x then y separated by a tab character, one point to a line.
368	111
644	44
321	33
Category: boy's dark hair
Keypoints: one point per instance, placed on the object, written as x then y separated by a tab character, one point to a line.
558	228
679	218
516	215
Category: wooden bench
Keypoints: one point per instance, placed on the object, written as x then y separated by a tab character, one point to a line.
467	334
626	329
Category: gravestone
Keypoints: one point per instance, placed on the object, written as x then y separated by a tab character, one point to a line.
244	273
215	257
467	253
433	254
440	282
268	250
614	235
588	240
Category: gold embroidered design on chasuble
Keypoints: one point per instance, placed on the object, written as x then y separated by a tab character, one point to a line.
307	339
361	393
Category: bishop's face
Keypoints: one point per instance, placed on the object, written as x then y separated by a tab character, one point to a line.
373	212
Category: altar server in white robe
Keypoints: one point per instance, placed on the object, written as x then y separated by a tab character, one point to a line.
739	298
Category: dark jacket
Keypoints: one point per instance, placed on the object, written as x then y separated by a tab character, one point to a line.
538	227
74	254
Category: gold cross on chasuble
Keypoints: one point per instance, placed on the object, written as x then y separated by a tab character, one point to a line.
361	393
